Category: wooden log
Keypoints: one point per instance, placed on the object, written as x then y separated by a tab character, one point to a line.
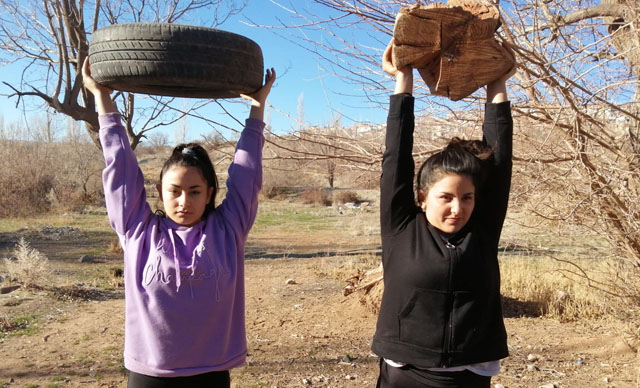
453	46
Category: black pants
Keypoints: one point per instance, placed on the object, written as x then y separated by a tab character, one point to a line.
410	377
206	380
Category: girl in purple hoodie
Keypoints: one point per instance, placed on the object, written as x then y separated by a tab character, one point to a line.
184	268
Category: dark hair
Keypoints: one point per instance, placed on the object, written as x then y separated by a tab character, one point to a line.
461	157
194	155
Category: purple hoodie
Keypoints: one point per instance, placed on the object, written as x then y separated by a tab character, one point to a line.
192	323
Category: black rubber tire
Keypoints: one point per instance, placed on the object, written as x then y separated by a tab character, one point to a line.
175	60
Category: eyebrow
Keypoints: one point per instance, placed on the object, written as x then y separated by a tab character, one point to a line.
190	187
448	193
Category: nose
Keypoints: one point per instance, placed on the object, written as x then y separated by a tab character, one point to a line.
455	206
183	200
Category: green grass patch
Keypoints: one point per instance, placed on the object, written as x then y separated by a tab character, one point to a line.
92	222
20	325
293	216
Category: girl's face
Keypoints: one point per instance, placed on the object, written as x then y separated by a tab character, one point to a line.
185	194
449	202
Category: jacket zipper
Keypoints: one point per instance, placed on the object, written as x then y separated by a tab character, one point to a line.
448	337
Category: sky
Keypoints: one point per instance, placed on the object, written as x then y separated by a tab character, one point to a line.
302	81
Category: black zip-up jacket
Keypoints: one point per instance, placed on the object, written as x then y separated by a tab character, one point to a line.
441	305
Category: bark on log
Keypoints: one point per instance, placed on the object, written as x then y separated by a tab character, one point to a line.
452	45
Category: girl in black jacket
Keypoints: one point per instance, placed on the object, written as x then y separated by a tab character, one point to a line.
440	321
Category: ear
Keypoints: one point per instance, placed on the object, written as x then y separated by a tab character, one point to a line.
159	188
209	194
422	199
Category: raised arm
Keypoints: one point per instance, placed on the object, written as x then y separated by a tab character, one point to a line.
497	132
497	128
245	173
122	179
397	202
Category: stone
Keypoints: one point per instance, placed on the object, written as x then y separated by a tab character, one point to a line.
86	259
6	290
533	357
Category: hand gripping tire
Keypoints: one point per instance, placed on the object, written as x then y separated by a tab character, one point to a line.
175	60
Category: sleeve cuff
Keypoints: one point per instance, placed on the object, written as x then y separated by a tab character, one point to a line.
501	109
255	125
402	102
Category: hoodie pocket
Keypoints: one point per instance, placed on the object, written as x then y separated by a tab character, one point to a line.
423	319
471	318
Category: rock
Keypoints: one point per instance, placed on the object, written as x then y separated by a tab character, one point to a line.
318	379
291	281
86	259
306	381
349	377
348	358
533	357
498	386
607	379
6	290
531	367
550	385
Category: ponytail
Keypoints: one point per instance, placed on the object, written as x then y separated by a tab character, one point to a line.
461	157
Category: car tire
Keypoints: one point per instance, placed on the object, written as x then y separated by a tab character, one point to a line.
175	60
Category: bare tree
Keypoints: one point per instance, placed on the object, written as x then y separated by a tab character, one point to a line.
51	38
158	139
578	83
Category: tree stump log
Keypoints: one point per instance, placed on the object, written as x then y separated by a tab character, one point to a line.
452	45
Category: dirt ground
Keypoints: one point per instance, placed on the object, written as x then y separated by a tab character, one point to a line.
302	332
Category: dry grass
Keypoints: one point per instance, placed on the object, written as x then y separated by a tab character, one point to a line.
546	283
28	266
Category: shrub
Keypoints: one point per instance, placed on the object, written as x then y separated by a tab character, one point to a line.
342	197
28	266
274	192
39	177
315	197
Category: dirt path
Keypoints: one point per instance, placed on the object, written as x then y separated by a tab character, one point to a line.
304	334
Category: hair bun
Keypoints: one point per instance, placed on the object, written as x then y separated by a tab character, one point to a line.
475	147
